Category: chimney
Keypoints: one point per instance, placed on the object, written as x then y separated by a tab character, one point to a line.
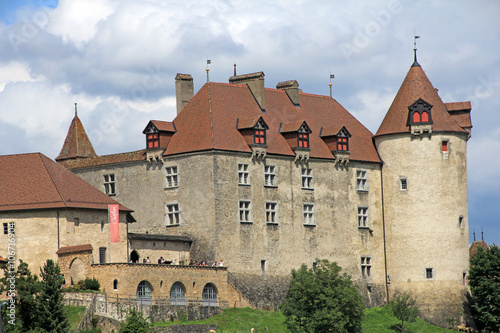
184	90
292	90
254	81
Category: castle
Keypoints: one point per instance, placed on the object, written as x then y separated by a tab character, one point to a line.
268	179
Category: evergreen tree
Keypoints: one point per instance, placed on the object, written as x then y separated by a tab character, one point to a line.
484	280
51	313
26	287
320	299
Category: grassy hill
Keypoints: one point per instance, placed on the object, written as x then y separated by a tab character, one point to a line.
377	320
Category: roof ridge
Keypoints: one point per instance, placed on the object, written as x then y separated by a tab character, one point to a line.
52	178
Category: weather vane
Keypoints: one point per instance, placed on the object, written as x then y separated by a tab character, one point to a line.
208	63
331	77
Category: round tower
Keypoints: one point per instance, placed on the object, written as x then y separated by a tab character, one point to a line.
423	145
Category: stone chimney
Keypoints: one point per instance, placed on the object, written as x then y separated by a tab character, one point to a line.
184	90
254	81
292	90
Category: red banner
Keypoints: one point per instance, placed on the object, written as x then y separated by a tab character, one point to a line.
114	222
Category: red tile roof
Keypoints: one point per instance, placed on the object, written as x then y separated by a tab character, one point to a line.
138	155
77	143
416	85
474	246
164	126
33	181
209	120
75	248
2	260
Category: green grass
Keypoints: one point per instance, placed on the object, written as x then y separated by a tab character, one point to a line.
241	320
377	320
381	320
75	315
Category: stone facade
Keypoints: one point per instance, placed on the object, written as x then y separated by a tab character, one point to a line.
41	233
434	238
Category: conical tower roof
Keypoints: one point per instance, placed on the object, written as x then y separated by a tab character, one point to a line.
77	143
416	86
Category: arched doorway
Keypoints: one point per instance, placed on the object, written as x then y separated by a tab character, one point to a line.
144	293
78	271
209	295
134	256
177	294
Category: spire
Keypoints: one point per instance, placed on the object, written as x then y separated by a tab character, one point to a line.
415	62
77	143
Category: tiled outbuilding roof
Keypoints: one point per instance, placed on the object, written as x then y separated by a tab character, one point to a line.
33	181
77	143
209	121
416	86
75	249
138	155
157	237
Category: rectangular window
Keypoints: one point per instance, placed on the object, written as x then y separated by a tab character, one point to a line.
269	176
263	265
461	222
172	177
173	214
243	174
259	136
307	178
5	228
342	144
303	140
362	217
245	212
102	255
444	146
403	184
362	180
271	212
109	184
366	265
152	140
308	214
429	273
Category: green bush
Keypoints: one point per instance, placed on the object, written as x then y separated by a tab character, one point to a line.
92	284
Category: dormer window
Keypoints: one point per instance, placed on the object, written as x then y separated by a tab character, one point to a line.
152	140
343	140
259	136
420	113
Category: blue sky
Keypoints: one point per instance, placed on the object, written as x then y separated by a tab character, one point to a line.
118	60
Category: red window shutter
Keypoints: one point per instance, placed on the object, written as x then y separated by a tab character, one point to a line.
425	117
445	146
416	117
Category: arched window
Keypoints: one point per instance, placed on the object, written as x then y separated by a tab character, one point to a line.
425	117
134	256
209	295
416	117
177	294
115	284
144	292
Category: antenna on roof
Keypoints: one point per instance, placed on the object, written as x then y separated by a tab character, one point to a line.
76	111
208	63
331	77
415	37
234	68
482	238
474	234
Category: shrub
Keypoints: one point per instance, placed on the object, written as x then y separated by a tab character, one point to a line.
92	284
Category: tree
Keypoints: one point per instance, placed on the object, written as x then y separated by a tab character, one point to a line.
135	323
51	313
320	299
484	281
26	287
404	308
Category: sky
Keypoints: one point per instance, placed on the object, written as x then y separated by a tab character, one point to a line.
118	59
